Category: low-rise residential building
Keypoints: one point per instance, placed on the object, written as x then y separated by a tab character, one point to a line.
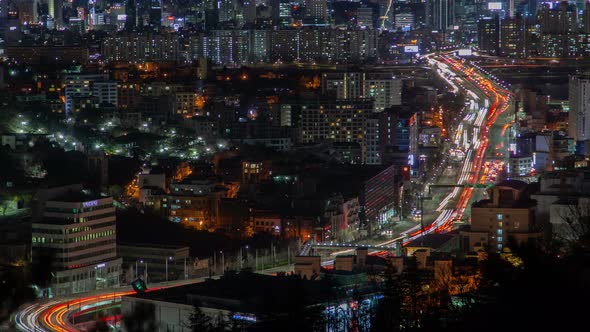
508	213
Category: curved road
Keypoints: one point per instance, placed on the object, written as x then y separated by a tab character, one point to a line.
54	314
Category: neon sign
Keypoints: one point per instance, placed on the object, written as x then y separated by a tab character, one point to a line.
90	204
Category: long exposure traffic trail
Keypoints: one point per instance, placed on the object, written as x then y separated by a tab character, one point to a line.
479	86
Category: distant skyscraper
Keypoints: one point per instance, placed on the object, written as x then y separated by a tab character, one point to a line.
155	14
513	38
249	11
55	11
27	10
226	10
559	29
404	21
364	16
316	9
442	14
579	113
488	31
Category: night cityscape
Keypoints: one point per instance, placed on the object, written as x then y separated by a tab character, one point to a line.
294	165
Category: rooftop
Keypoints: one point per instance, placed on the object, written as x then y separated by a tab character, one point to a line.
433	241
245	292
75	197
514	184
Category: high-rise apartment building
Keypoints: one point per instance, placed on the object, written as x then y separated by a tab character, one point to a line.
259	46
342	121
385	89
558	30
513	39
75	231
139	46
579	113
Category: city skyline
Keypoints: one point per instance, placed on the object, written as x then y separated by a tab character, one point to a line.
286	165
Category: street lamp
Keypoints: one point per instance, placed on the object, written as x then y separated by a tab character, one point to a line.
170	258
145	270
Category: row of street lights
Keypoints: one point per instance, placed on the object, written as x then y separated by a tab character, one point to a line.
145	274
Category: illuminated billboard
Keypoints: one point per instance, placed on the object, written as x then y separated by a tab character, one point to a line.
494	6
411	49
121	17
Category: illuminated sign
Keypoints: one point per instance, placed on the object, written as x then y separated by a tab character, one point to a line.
100	265
121	17
494	6
90	204
246	317
411	49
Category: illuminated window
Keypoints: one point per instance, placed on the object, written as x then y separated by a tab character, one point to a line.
500	217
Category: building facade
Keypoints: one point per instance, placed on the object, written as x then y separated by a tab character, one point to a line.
509	213
76	232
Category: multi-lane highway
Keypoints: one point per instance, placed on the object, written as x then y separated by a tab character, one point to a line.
488	100
472	135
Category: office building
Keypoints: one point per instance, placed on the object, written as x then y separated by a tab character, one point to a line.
364	17
442	15
75	231
403	21
488	33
